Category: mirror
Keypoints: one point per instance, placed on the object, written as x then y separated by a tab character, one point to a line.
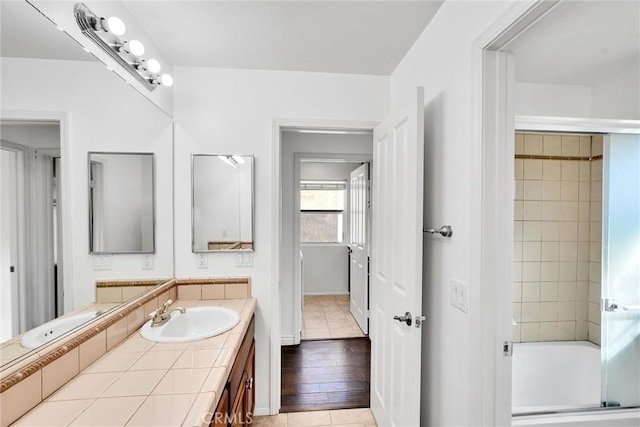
58	105
222	202
121	203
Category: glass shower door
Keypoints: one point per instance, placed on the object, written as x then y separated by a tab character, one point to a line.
621	271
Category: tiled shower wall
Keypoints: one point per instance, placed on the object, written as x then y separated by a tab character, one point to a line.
556	244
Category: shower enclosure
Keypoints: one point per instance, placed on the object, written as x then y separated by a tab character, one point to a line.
577	272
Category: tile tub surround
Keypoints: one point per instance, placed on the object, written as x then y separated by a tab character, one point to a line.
557	217
94	340
149	383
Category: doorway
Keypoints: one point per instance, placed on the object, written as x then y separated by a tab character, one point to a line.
326	361
32	254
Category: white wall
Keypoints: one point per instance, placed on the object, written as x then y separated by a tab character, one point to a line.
233	111
103	114
39	136
537	99
618	96
441	61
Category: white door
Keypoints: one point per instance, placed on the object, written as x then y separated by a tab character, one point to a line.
396	265
358	242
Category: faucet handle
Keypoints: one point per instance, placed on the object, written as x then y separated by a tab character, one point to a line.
167	304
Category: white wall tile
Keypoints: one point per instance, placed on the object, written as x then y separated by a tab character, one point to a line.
585	146
583	270
566	331
585	171
533	144
549	291
582	310
548	331
551	190
519	141
584	211
550	231
530	312
596	211
532	169
570	170
568	251
582	292
517	251
552	145
584	191
517	271
529	332
552	170
567	271
530	271
531	251
517	231
568	211
517	312
550	251
569	232
532	190
532	211
595	251
594	312
518	210
519	169
530	292
566	310
550	211
548	311
569	191
595	234
517	292
567	291
531	231
594	333
549	271
596	191
595	292
596	145
584	251
570	146
582	330
519	189
596	170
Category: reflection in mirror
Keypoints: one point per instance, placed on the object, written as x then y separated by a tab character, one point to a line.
121	203
222	197
48	125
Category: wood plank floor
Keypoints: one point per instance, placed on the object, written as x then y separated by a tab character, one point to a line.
326	374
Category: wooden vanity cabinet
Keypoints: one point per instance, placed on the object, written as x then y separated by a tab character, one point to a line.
238	398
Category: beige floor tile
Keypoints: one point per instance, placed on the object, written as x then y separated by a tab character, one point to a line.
109	412
311	418
316	333
163	410
181	381
135	383
53	414
329	315
352	416
279	420
86	386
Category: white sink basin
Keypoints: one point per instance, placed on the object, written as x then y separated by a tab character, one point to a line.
54	329
196	324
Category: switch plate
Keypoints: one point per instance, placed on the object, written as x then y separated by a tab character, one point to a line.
202	261
147	262
459	295
244	259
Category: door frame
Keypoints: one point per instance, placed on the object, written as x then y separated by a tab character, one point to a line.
494	125
68	217
278	125
298	158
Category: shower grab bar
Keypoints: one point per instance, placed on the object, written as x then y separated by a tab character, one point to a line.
631	307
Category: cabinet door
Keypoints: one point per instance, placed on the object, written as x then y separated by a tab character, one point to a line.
250	393
220	418
238	412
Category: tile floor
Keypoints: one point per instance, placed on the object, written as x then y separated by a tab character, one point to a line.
342	417
328	316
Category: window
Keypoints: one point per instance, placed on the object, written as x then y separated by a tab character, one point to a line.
321	211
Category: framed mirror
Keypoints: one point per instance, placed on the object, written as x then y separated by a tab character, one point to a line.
222	202
121	203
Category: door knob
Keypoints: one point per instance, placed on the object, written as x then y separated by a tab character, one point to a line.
406	318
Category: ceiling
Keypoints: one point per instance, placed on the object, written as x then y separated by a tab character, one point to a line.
356	37
580	42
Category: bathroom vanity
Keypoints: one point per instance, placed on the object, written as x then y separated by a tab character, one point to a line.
237	400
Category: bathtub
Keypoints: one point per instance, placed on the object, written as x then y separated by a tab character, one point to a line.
554	376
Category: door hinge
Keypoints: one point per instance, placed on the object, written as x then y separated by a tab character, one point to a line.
507	348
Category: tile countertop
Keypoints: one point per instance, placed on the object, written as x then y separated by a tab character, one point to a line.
142	383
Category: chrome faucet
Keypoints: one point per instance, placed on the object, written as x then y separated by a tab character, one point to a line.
163	314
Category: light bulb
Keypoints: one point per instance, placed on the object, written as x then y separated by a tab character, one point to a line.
153	65
166	80
136	47
116	26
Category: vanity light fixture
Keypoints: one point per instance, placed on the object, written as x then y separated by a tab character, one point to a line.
106	32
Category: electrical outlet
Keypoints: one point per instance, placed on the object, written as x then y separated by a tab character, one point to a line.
102	262
245	259
147	262
202	261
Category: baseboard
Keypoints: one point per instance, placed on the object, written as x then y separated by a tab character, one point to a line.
287	340
261	412
325	293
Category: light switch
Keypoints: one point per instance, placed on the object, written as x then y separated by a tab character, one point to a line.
459	295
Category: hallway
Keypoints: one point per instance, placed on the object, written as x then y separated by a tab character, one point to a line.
328	316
